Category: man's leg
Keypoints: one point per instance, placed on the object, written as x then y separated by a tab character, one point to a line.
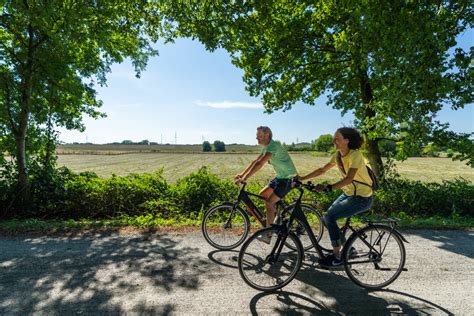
270	206
267	194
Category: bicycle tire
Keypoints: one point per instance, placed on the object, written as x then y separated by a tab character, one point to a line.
315	220
216	229
259	270
364	267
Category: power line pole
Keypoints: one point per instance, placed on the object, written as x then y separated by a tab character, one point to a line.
175	138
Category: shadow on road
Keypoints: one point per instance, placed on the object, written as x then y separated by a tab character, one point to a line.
459	242
225	258
65	274
347	298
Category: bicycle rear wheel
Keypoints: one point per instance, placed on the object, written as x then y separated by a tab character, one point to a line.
268	267
225	226
314	220
377	267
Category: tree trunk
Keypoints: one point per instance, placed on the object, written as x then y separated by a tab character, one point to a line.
373	152
20	135
47	167
23	180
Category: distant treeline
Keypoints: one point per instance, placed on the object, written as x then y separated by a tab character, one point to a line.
387	147
139	147
323	143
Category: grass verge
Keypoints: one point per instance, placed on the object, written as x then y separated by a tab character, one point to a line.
124	224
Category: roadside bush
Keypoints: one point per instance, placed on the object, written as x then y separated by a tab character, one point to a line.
68	195
425	199
85	195
200	190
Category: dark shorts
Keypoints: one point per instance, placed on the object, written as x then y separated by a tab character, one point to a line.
280	187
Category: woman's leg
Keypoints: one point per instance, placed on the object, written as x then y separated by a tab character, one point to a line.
331	217
344	206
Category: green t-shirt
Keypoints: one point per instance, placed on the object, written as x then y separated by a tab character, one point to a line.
281	160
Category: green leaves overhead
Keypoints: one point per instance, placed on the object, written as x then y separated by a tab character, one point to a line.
388	62
53	53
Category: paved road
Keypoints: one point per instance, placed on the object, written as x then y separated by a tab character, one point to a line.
181	274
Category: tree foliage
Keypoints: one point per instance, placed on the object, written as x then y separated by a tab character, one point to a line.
52	55
219	146
206	146
324	143
387	62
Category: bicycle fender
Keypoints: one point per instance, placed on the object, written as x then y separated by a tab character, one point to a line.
226	203
215	206
400	235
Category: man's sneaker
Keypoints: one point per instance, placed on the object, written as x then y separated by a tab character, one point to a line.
330	261
266	238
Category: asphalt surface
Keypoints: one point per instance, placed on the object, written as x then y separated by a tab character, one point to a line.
112	273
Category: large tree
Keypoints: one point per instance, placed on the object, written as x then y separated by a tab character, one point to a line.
52	54
385	61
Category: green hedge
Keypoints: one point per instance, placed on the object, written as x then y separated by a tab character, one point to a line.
73	196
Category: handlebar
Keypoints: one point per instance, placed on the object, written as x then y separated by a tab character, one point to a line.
296	184
308	185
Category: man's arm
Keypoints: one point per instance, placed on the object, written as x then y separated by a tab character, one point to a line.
256	165
240	175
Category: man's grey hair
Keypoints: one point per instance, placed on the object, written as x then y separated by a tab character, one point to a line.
266	130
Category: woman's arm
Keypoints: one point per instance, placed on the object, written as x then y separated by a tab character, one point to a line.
318	171
346	180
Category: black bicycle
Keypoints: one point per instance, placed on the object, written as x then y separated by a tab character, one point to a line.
374	255
227	225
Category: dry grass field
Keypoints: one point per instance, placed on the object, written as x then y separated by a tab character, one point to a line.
178	165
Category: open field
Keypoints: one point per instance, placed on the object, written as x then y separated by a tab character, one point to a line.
178	165
117	149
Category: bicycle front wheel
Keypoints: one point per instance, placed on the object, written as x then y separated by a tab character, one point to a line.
270	266
225	226
377	265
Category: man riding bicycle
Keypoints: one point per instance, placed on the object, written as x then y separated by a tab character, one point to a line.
276	155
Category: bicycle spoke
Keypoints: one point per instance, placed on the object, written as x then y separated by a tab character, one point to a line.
269	266
381	263
225	227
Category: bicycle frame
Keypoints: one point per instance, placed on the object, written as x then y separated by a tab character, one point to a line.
299	215
251	208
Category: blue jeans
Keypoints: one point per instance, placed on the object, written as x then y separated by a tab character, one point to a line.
344	206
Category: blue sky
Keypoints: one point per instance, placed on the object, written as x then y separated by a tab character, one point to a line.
196	95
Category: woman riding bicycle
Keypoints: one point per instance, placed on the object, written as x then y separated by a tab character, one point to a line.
356	185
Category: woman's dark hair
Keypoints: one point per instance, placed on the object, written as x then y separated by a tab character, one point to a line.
353	135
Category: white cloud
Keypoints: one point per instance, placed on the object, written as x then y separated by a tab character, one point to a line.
230	105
